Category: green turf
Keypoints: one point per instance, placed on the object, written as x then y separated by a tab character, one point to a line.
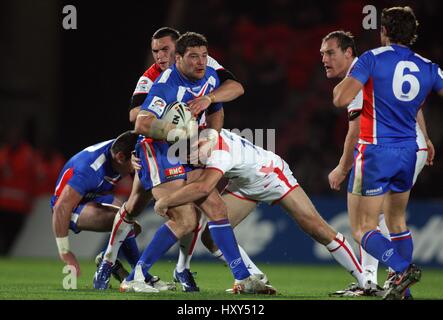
42	279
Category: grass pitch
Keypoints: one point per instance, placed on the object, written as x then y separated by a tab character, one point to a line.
37	279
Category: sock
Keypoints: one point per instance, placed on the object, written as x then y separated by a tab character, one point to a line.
403	243
120	231
253	269
344	255
223	236
219	255
369	265
382	249
162	241
187	246
382	225
130	249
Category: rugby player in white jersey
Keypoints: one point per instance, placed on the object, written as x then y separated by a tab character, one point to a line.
257	175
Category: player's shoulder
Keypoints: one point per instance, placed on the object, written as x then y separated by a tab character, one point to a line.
214	64
152	72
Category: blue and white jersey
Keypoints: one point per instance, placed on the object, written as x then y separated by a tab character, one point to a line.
171	86
396	83
89	172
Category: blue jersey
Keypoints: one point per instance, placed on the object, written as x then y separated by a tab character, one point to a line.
171	86
396	82
89	172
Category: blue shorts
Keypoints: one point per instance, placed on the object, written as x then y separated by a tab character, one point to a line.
157	165
108	199
380	168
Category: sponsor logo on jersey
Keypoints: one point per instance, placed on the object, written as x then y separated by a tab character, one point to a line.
172	172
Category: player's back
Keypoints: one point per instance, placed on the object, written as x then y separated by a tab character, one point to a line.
396	83
91	168
240	159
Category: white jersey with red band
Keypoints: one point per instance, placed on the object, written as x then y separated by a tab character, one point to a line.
253	172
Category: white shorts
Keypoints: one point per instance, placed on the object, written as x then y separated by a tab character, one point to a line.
422	156
274	187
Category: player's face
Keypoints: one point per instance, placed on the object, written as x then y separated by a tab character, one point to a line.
163	51
335	61
193	63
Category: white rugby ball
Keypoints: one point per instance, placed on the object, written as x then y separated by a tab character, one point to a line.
177	113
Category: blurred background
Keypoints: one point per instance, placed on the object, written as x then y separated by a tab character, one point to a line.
62	90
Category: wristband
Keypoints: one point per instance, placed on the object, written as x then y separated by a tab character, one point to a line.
63	245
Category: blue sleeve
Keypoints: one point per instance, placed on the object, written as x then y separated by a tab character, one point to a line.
362	69
155	102
438	83
84	180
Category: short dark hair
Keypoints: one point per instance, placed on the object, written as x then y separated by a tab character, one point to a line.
345	40
166	32
189	40
401	25
125	143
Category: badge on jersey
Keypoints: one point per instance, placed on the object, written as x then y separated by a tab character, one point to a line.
157	106
143	86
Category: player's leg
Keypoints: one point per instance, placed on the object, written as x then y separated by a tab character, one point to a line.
188	242
238	210
299	207
223	236
122	227
401	237
183	220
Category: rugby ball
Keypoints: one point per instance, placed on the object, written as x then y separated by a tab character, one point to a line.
177	113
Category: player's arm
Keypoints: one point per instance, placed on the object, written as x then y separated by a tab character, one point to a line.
346	91
340	172
422	124
215	120
133	114
194	191
229	89
62	211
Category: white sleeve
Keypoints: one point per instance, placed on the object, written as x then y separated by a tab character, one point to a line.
220	160
144	84
357	103
214	64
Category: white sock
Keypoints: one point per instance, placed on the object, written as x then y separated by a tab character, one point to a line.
187	246
253	269
120	230
344	255
219	255
369	265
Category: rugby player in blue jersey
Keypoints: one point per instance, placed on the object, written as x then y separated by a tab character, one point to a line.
395	82
189	78
83	198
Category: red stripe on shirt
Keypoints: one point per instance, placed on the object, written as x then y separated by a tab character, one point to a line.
367	117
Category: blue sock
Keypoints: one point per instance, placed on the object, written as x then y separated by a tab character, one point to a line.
402	242
130	250
223	235
382	249
162	241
